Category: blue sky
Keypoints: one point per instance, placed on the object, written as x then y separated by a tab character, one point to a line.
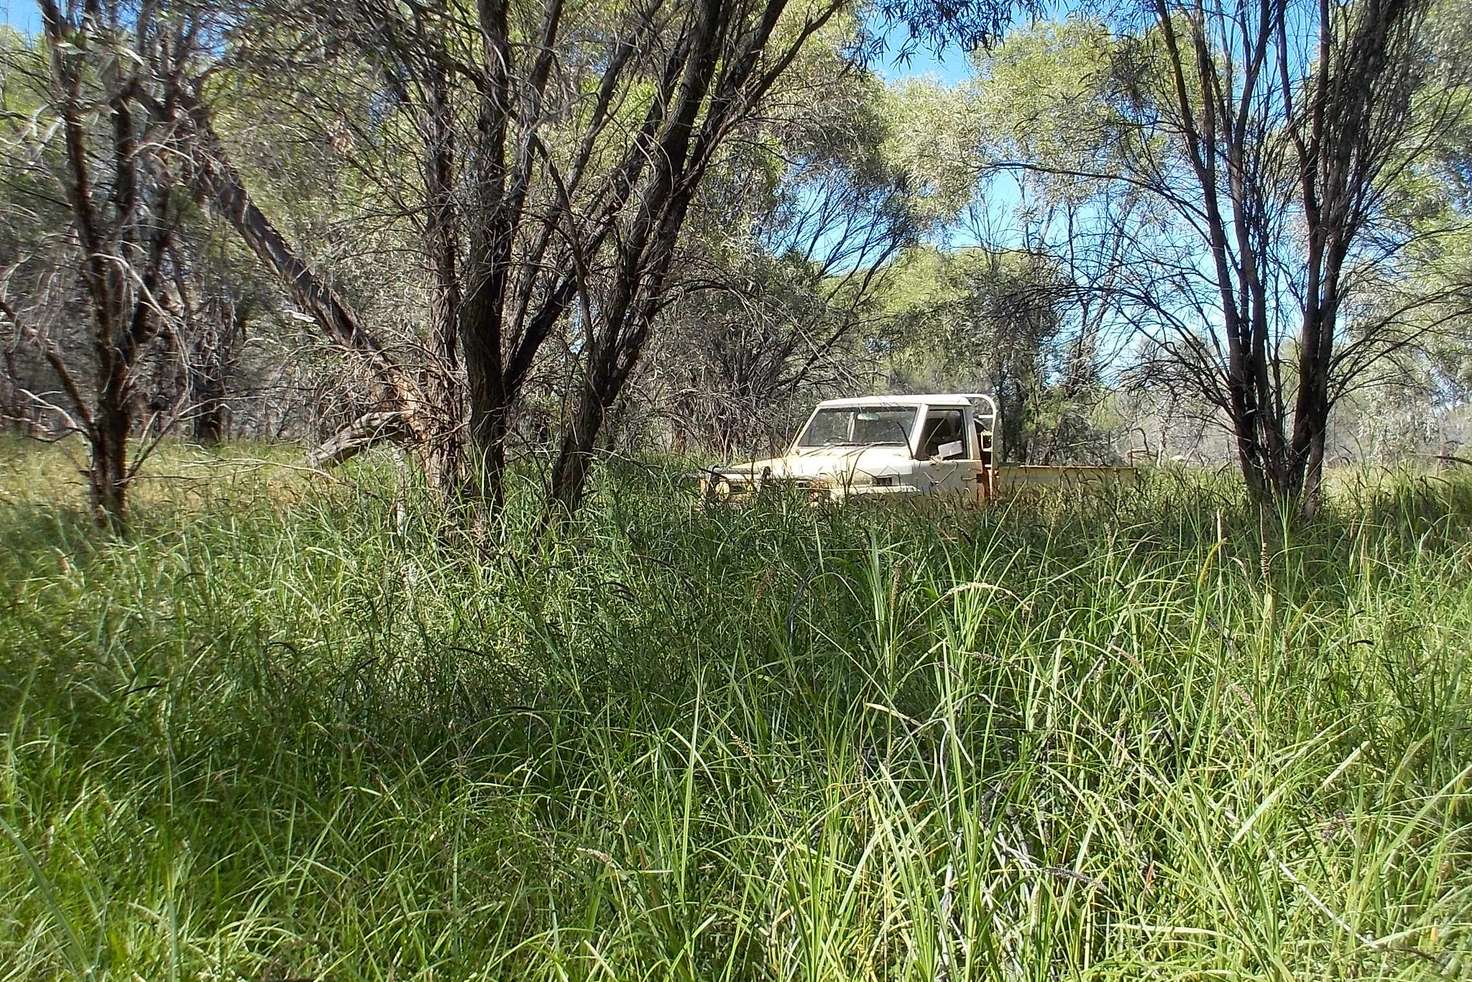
20	14
949	67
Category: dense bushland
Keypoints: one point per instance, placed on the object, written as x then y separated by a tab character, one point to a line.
290	730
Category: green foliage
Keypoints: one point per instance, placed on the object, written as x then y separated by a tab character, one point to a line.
33	210
1447	44
280	734
1435	198
932	136
985	320
1043	95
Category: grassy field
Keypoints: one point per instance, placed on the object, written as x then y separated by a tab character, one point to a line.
286	732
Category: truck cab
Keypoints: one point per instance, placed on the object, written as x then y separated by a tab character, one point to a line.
880	445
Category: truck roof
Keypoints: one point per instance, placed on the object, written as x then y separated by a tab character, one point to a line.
929	399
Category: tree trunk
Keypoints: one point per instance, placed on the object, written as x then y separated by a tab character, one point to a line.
204	380
575	455
107	472
21	416
215	330
208	422
445	455
490	414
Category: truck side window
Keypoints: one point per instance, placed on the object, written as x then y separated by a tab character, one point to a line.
942	426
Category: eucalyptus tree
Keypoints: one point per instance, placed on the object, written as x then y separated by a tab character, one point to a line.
997	320
1244	163
99	150
558	149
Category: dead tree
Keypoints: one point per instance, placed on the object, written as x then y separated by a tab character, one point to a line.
219	184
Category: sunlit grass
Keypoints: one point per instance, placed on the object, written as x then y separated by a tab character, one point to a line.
286	732
172	473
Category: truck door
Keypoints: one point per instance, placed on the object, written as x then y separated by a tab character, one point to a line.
943	459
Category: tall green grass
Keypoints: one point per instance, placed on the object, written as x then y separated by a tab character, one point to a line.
291	731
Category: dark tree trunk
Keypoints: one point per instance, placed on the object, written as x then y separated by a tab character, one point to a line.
124	231
490	408
575	456
18	414
207	424
214	336
445	455
107	471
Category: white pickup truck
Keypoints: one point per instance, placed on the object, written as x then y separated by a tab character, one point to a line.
898	445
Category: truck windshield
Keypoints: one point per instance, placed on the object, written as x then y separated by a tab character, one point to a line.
863	426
